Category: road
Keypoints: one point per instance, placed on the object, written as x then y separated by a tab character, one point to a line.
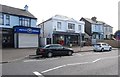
83	63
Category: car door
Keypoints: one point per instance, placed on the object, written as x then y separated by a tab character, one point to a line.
53	49
60	50
56	49
63	50
105	46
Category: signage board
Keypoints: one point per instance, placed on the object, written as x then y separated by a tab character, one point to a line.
28	30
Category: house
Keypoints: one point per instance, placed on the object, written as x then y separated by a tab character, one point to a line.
93	28
97	30
18	27
108	31
62	30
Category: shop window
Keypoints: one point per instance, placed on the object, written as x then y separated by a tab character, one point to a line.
1	19
7	19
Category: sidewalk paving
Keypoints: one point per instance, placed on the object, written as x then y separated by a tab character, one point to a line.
12	54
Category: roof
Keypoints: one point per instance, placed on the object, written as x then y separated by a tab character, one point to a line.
16	11
65	18
97	22
93	22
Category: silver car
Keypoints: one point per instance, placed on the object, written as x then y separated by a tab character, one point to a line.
102	47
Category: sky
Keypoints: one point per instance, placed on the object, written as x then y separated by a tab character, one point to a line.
104	10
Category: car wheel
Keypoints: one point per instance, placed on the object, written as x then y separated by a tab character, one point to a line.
110	49
70	53
102	50
49	54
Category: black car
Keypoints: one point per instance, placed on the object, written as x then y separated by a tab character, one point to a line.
54	50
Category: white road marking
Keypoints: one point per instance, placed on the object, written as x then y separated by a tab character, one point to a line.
37	73
39	60
72	64
78	63
96	60
78	54
53	69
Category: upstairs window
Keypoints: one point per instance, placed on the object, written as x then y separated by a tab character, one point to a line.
71	26
27	22
110	30
79	27
24	21
1	19
7	19
58	25
20	21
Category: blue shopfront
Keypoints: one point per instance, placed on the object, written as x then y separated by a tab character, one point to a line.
26	37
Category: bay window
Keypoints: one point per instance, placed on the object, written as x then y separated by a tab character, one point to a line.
24	21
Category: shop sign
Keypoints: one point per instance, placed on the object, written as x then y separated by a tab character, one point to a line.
27	30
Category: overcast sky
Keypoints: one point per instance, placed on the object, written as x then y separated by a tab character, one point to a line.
104	10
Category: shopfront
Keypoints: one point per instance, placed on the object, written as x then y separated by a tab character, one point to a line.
26	37
65	38
7	37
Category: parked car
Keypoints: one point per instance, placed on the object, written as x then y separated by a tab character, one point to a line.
102	47
54	50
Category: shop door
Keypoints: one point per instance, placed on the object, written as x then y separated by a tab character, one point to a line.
28	40
7	41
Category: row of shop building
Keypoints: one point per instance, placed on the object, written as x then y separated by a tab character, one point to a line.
19	30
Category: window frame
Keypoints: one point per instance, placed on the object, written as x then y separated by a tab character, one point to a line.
59	25
71	26
24	21
7	20
79	27
2	18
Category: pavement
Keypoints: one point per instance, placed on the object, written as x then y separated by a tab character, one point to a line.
12	54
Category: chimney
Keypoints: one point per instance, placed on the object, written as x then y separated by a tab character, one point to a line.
26	8
94	18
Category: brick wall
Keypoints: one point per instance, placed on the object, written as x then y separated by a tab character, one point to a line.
113	43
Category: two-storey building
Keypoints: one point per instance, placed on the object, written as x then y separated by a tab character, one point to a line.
62	30
108	31
93	28
18	27
97	30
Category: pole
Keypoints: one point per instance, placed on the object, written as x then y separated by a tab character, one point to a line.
80	40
